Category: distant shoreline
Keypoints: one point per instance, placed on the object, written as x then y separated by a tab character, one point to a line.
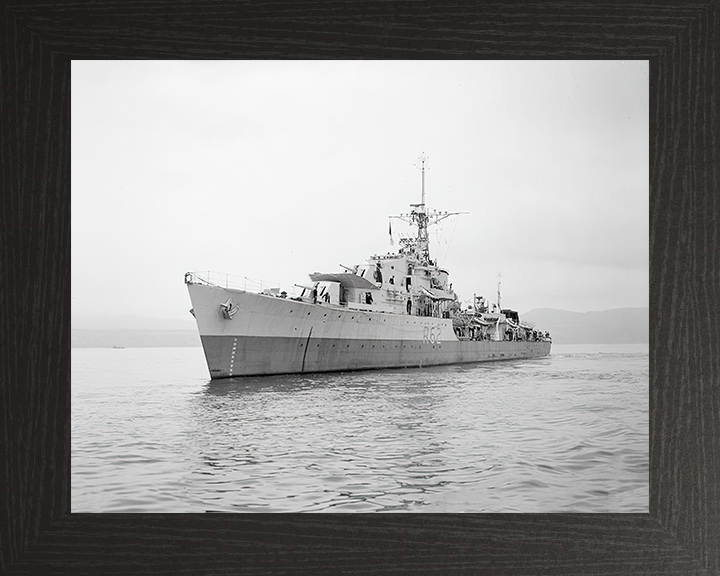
126	338
617	326
593	331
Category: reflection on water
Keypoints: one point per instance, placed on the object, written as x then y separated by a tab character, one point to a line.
352	441
562	433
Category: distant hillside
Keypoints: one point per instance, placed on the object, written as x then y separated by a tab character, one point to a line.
618	326
131	323
132	332
123	338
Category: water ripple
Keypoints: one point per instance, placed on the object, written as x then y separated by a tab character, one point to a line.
567	433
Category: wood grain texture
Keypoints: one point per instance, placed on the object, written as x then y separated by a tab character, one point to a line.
681	533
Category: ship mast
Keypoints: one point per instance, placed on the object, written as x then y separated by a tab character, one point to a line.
422	160
499	276
422	218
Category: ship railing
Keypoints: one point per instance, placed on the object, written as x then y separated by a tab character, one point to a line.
236	282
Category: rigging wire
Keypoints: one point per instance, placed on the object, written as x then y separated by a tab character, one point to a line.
447	250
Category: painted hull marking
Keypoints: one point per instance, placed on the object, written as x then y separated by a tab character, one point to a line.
232	356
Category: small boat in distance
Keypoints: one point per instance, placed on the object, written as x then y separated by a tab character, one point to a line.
396	310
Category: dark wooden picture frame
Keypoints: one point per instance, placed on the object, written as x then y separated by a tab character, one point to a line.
38	534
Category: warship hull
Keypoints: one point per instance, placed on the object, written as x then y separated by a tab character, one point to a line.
266	334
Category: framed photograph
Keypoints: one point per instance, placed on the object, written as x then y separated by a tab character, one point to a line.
47	51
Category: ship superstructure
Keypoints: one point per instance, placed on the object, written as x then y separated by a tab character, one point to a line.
396	310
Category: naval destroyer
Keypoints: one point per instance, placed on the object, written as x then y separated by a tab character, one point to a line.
396	310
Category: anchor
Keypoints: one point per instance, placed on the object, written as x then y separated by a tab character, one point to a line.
227	309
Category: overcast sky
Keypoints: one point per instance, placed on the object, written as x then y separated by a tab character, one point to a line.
272	170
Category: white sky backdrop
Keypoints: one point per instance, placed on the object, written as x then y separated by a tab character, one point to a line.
272	170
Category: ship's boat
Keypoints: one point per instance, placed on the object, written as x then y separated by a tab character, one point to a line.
396	310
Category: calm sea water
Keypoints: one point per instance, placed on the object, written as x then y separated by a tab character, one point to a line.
565	433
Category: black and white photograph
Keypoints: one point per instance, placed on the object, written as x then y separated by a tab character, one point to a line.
360	286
